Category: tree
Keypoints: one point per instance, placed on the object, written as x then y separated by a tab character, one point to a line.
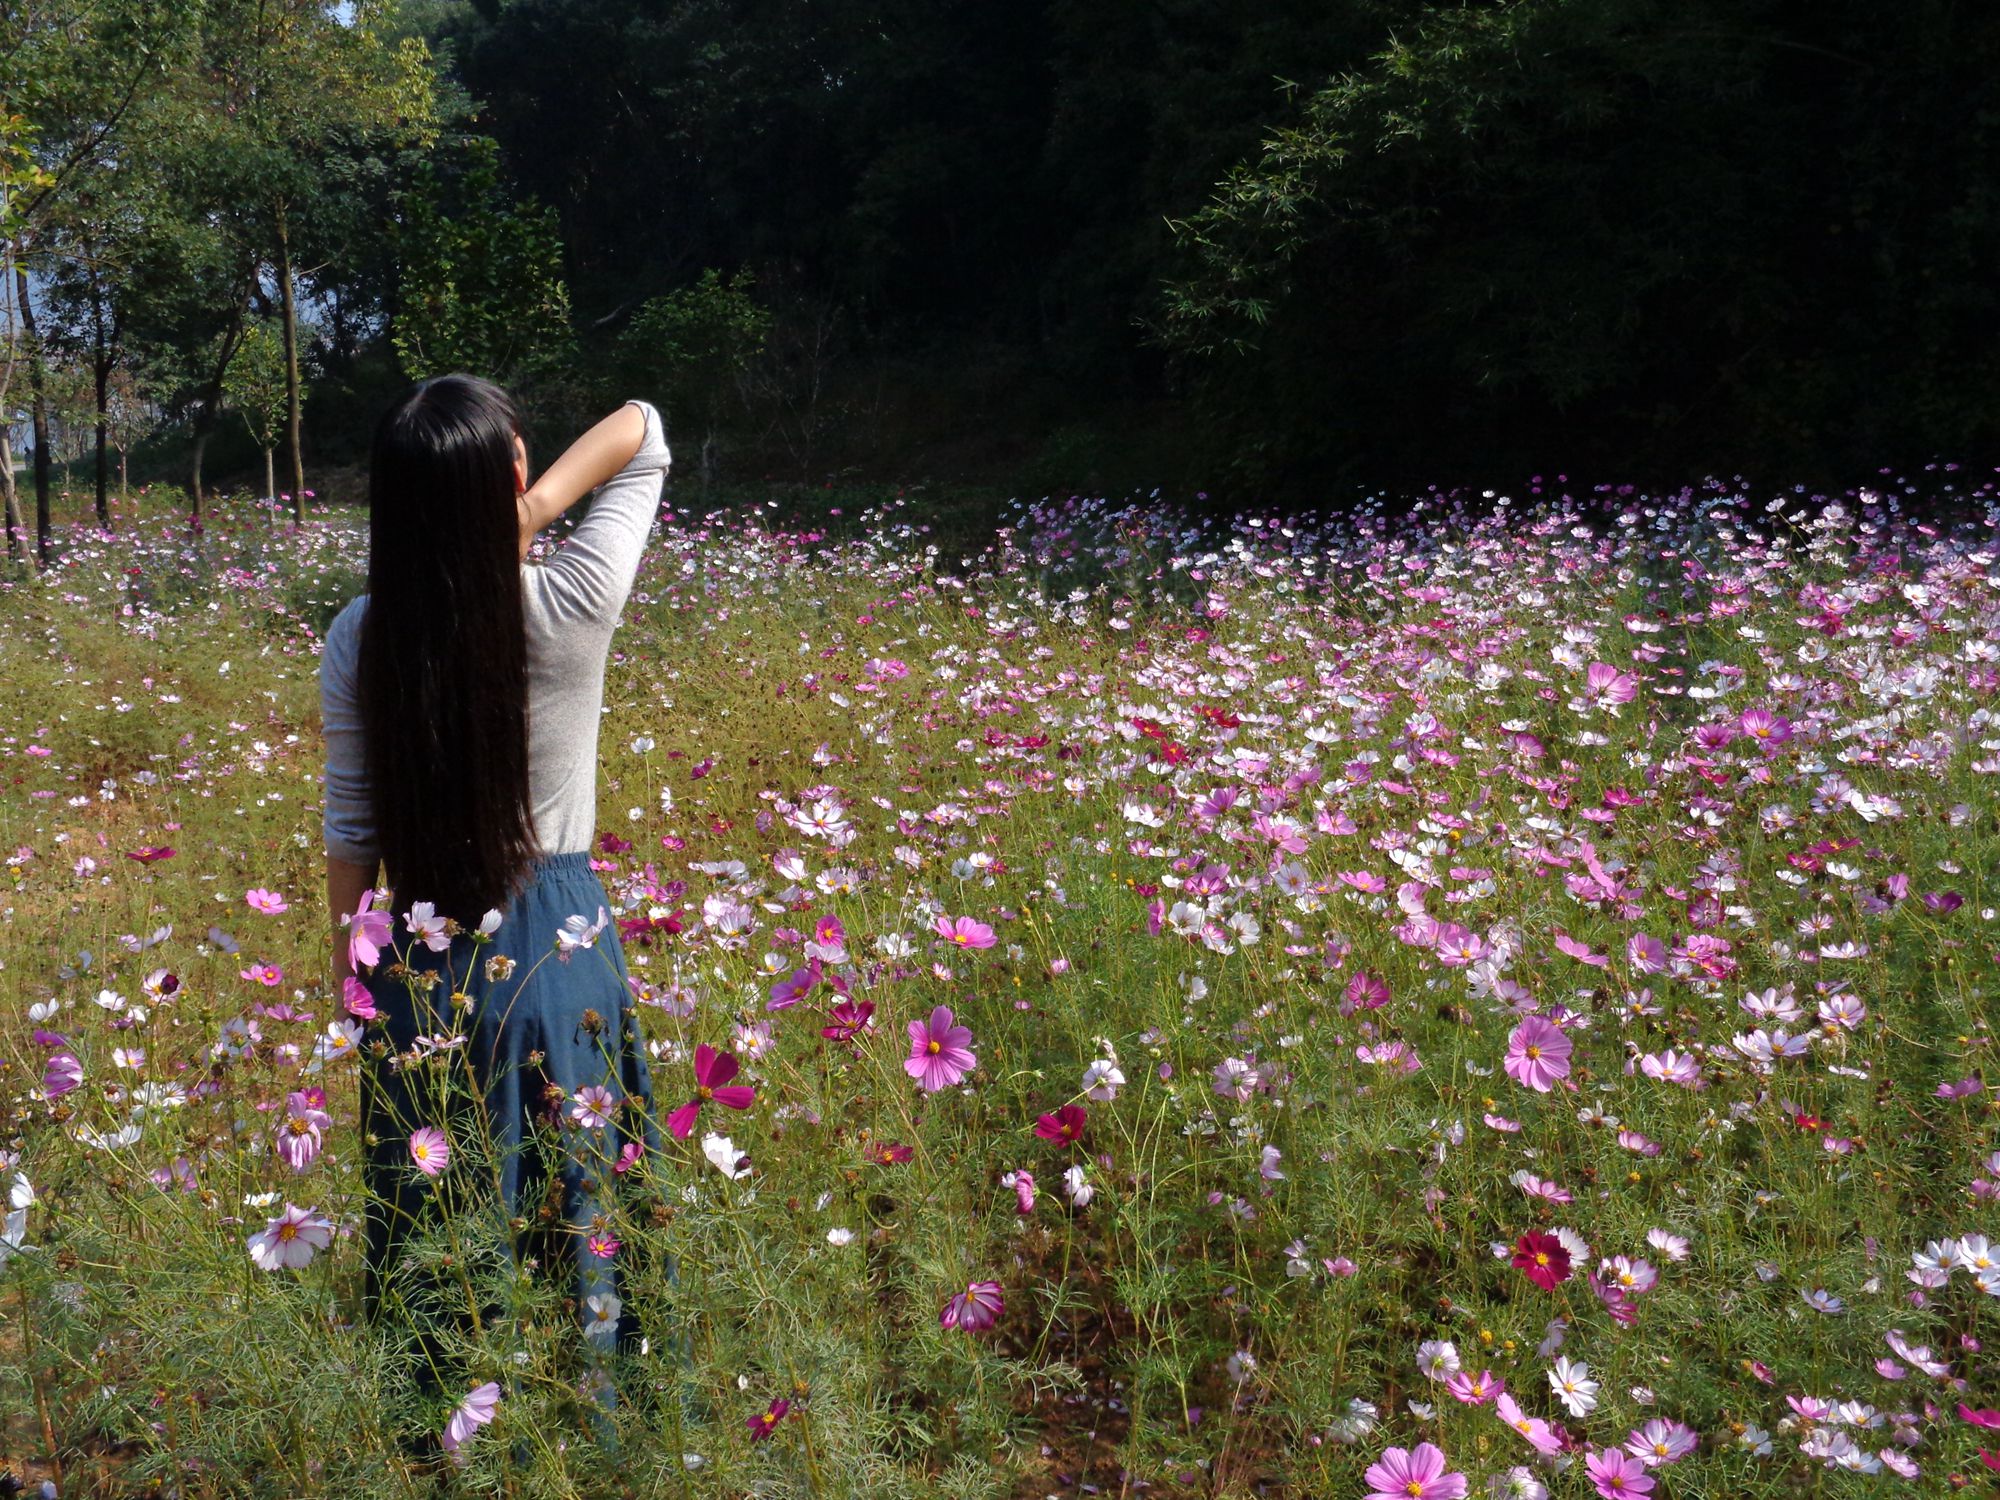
290	87
78	81
482	286
130	415
1679	229
696	347
257	387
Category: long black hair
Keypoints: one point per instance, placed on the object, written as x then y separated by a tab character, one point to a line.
444	651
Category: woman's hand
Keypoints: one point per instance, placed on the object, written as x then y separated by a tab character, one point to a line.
589	461
345	884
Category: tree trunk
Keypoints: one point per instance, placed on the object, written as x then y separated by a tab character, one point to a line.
101	370
270	481
38	381
194	470
291	320
204	422
17	531
121	476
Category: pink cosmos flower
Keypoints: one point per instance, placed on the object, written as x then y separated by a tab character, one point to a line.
146	854
360	1003
367	931
290	1241
1401	1474
1660	1443
1022	1181
1768	729
426	926
1541	1435
268	902
940	1051
964	932
1541	1187
1618	1476
1475	1390
471	1414
849	1021
604	1246
976	1308
301	1133
61	1073
790	991
593	1106
430	1150
1364	992
1537	1054
264	974
628	1157
1606	687
712	1072
1646	954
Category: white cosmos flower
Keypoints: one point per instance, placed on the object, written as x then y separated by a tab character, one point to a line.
723	1155
1570	1380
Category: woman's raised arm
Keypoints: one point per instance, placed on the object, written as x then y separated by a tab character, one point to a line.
587	463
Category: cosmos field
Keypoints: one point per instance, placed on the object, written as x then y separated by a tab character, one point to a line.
1486	999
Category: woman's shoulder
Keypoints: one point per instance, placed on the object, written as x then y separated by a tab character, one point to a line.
343	634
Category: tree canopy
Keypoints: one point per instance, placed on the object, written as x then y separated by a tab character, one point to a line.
1283	244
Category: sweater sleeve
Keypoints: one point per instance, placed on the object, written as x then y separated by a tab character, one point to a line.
349	823
591	574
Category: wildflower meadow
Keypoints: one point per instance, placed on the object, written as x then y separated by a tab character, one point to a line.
1481	997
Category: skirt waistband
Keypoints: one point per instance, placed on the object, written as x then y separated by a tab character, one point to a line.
575	862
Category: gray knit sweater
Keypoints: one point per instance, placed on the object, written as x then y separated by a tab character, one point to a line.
572	604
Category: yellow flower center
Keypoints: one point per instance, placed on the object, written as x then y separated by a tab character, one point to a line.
934	1047
1534	1054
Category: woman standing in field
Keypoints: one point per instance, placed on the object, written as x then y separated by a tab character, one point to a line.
461	697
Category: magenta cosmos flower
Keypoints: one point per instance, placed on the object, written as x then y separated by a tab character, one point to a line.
471	1414
430	1150
965	932
940	1051
270	903
712	1072
766	1422
977	1307
367	930
1400	1474
1538	1054
1618	1476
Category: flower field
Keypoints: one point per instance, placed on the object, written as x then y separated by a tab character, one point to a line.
1491	999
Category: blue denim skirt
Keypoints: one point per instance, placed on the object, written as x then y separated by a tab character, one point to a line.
552	1091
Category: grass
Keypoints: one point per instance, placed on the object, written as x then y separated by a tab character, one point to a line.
1474	756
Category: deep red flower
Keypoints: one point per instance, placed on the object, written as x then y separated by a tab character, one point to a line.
1065	1125
890	1153
150	853
1542	1258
